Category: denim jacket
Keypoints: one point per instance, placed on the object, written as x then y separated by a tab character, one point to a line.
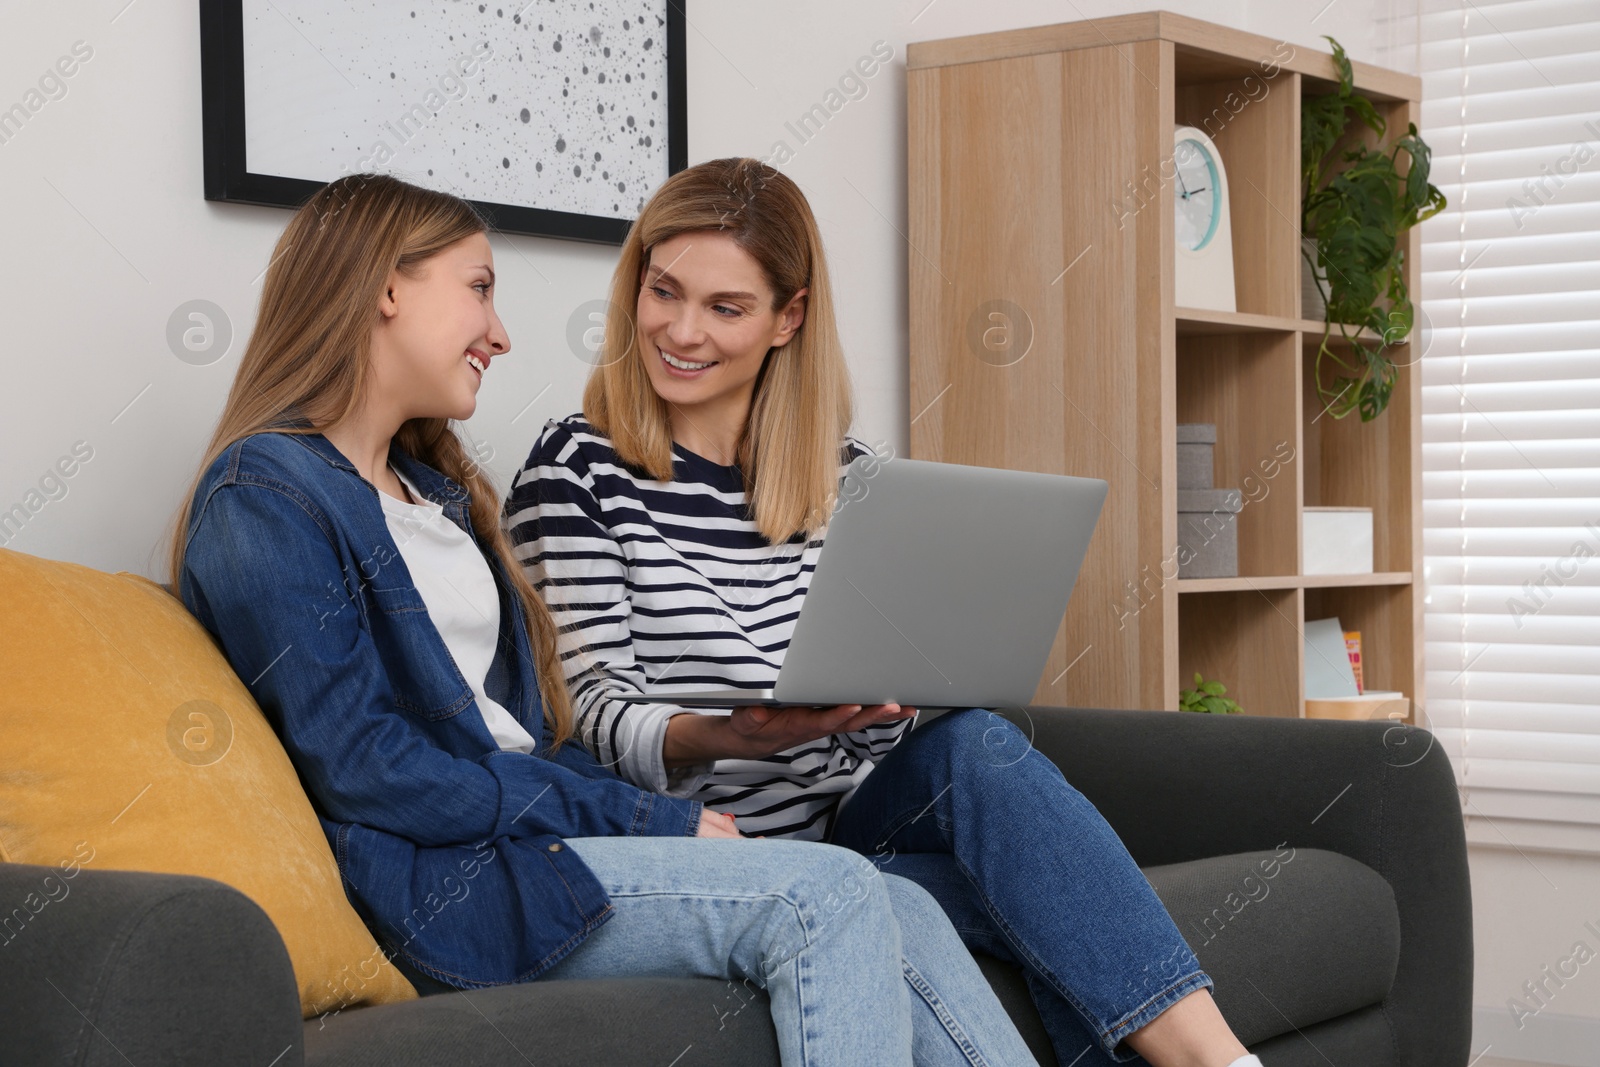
449	848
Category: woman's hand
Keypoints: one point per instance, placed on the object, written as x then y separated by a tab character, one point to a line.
756	731
716	824
762	730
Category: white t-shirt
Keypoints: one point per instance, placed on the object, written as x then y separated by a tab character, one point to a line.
458	589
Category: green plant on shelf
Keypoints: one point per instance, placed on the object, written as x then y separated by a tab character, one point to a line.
1356	204
1207	697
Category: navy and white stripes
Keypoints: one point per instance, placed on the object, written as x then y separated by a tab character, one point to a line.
669	586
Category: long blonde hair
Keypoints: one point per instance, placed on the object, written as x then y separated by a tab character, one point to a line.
790	448
309	355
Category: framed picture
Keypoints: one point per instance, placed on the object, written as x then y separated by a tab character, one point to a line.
553	118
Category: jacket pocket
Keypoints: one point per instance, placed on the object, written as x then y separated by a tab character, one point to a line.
422	673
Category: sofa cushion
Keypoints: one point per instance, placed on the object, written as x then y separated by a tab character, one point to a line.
127	742
1291	938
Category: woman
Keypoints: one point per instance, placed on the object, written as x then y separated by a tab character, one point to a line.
673	528
345	552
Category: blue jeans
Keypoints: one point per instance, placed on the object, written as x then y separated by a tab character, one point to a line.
1028	871
817	927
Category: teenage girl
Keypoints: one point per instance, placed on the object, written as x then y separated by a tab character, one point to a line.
345	551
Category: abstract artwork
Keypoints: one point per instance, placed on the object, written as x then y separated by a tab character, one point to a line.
554	117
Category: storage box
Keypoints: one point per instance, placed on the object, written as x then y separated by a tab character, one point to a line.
1197	443
1208	533
1370	705
1337	541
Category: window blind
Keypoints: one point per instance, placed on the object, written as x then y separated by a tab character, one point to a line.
1510	330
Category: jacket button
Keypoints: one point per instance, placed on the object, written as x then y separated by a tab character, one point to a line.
555	847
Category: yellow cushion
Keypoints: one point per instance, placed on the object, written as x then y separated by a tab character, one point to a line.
127	742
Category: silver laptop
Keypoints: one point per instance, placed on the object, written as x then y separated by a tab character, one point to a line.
938	586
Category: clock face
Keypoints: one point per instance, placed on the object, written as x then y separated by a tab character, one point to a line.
1195	194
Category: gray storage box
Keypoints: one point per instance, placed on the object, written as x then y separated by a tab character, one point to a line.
1208	532
1196	442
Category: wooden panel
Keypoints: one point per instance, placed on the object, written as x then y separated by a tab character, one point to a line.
1244	384
1256	126
1017	170
1204	320
1033	40
1205	49
1291	581
1250	641
1409	642
1313	329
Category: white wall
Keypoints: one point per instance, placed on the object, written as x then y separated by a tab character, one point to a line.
106	233
1531	909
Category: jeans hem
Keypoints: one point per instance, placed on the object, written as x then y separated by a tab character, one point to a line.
1147	1012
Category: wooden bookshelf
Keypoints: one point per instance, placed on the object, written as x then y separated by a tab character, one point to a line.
1023	151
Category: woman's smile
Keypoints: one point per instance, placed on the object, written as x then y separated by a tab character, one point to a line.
681	367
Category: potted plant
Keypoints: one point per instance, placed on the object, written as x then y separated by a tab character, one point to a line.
1355	206
1207	697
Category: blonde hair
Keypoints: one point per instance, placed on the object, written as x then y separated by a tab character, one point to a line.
801	411
309	358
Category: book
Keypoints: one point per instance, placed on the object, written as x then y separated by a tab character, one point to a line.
1352	646
1327	664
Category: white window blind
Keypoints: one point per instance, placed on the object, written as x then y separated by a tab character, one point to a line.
1510	322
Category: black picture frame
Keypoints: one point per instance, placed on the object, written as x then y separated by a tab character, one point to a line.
227	179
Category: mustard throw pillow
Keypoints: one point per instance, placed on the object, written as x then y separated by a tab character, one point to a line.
127	742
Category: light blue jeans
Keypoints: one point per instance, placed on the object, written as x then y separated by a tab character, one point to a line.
859	967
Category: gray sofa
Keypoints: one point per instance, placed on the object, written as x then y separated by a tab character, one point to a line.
1356	948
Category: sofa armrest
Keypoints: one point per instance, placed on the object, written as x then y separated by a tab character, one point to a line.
1180	787
111	967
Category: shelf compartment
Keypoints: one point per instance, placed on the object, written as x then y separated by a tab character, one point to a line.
1253	123
1386	617
1244	384
1349	463
1292	581
1248	641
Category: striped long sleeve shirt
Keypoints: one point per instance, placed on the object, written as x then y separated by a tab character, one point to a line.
669	586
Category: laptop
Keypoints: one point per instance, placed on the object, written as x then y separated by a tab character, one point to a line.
937	586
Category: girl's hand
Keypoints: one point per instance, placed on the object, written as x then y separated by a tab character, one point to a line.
758	731
716	824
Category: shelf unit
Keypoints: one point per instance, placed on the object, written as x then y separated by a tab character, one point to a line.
1044	337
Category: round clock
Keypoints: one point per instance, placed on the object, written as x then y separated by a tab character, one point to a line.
1202	228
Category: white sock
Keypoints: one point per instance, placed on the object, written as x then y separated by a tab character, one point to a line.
1247	1061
